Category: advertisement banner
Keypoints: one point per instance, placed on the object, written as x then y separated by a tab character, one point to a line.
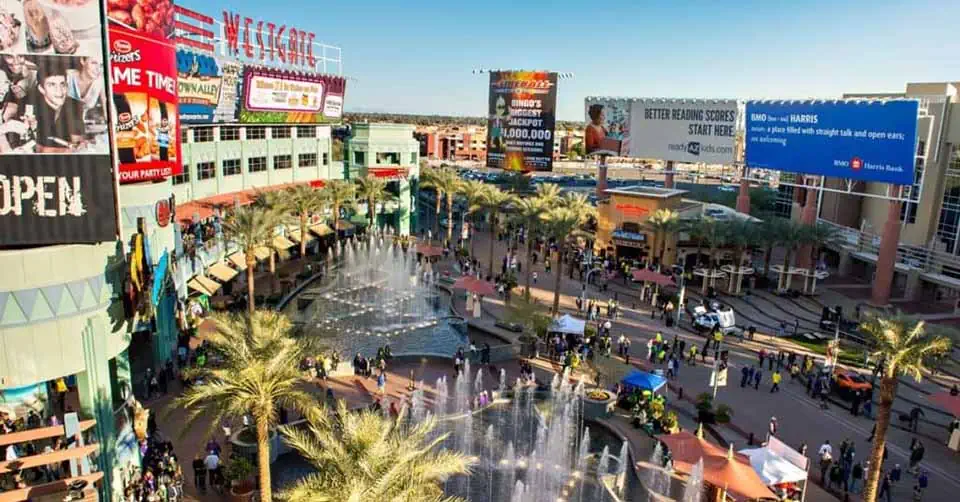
198	87
278	97
521	119
863	140
144	78
231	75
683	130
56	174
608	127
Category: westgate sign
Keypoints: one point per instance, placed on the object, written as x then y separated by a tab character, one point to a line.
267	42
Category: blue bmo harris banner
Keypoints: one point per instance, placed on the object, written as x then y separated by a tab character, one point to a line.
864	140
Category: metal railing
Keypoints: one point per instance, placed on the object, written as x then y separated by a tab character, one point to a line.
921	258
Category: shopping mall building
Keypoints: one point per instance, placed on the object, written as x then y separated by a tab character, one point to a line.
96	316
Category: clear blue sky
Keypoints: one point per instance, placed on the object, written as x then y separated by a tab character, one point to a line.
416	57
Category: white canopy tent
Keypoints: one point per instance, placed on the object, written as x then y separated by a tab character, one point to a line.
772	468
568	325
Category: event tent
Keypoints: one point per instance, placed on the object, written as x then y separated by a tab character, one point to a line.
772	468
645	381
568	325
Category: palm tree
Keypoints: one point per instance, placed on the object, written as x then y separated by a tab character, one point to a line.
563	224
339	194
428	179
250	227
791	235
447	182
901	343
474	192
741	235
494	202
662	223
259	374
302	200
768	236
697	229
361	456
548	194
516	182
529	213
373	189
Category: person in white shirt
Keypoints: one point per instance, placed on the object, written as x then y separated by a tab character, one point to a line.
825	450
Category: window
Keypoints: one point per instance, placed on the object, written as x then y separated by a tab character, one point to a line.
392	158
908	210
229	133
307	160
413	158
306	132
280	132
231	167
184	135
256	164
949	224
326	159
206	170
203	135
359	157
256	133
282	162
182	178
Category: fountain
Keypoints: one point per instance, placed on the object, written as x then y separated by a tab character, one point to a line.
657	481
693	489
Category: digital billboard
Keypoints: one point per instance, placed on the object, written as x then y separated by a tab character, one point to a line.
521	119
608	127
683	130
282	97
143	58
871	140
198	87
56	173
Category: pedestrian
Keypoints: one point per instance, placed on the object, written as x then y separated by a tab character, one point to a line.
776	381
744	376
855	404
772	429
915	414
895	474
626	352
856	476
885	488
757	376
199	473
916	456
761	355
923	481
382	382
825	453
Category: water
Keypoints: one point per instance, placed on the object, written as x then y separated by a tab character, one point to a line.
693	489
657	480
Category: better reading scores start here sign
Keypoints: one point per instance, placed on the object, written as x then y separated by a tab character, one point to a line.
864	140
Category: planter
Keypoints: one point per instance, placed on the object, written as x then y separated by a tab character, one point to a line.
242	492
595	409
249	449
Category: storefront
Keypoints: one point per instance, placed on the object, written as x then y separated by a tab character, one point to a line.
622	230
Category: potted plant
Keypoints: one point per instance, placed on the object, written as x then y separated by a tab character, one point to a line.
705	413
723	413
239	472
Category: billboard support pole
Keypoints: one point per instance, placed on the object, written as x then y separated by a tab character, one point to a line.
887	254
668	177
743	198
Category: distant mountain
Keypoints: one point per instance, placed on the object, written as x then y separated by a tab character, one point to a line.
432	120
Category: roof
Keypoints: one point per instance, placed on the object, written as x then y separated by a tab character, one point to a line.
205	207
647	192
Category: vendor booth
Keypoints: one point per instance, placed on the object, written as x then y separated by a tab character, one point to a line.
568	325
781	468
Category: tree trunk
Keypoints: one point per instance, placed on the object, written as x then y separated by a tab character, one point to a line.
449	219
782	280
251	262
336	229
493	237
436	218
371	208
556	283
263	459
766	261
473	225
526	294
303	238
888	391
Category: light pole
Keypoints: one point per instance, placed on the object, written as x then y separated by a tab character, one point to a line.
683	291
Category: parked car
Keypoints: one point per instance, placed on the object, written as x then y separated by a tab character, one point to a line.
723	319
847	383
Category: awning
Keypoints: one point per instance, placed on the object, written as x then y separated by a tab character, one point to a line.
390	173
321	229
568	325
205	208
262	253
222	272
772	468
645	381
239	260
281	242
204	285
294	234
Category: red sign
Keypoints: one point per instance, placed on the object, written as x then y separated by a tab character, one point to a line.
267	41
163	213
632	210
146	125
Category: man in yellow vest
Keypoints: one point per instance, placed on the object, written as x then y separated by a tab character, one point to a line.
776	381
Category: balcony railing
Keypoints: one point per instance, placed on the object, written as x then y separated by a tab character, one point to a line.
921	258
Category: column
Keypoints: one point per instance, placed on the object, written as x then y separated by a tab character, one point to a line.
743	198
913	284
843	269
122	378
887	256
668	177
602	178
96	402
404	209
808	217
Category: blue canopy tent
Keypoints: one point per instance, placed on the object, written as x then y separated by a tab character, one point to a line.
644	381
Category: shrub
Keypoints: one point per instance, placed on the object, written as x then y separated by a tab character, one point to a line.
723	414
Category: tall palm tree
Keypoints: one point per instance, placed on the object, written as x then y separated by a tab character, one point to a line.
697	229
276	202
303	200
250	227
363	456
791	235
768	236
339	194
529	213
447	182
258	375
662	223
816	237
428	179
548	194
495	202
563	224
474	192
902	344
741	235
516	182
373	189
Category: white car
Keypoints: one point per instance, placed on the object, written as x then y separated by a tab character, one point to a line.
706	322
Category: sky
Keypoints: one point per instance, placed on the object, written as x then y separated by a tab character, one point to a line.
417	57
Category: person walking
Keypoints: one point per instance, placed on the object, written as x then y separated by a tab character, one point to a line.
916	456
757	376
199	473
856	476
776	381
885	488
825	453
915	415
772	428
744	376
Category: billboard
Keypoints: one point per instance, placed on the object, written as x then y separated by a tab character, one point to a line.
231	75
198	87
608	127
281	97
56	174
683	130
520	120
144	77
864	140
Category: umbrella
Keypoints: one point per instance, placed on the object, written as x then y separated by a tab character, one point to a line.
474	285
647	275
733	473
645	381
429	251
687	449
947	401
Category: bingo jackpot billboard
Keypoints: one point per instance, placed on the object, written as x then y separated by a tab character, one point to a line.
143	57
283	97
521	119
56	173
